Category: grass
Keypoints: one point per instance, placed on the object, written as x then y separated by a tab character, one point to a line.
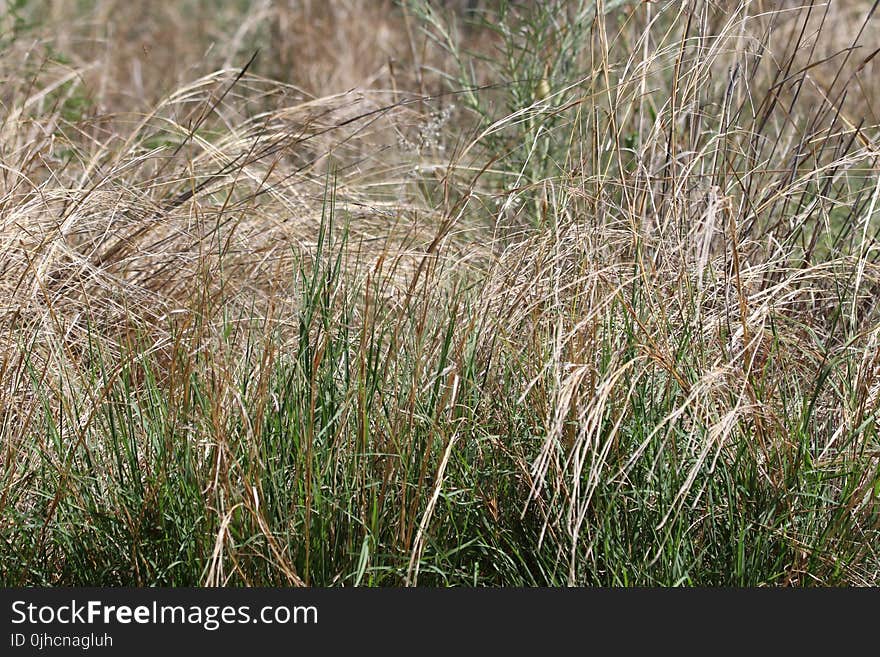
518	296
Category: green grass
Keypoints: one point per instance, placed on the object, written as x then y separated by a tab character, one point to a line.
621	334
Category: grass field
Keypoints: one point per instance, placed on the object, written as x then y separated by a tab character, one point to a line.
419	293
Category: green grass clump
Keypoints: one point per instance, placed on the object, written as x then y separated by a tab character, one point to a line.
609	318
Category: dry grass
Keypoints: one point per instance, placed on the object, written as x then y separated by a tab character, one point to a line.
520	295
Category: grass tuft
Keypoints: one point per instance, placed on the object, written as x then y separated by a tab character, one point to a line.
565	293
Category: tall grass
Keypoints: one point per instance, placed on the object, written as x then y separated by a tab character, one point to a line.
570	293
